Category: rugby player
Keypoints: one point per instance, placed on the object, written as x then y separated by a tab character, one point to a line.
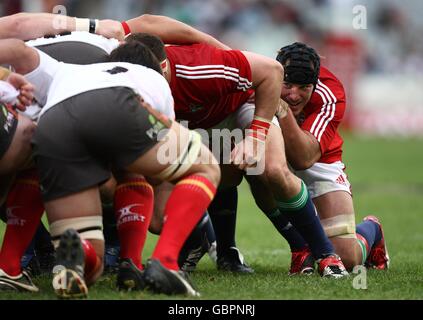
203	79
100	143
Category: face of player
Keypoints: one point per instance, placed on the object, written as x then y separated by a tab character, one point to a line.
19	150
296	95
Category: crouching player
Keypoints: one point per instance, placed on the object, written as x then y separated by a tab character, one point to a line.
316	101
102	118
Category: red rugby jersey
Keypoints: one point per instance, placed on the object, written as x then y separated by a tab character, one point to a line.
323	114
207	83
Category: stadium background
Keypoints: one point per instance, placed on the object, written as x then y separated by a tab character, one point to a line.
379	58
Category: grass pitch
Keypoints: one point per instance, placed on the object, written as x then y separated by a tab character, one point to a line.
387	181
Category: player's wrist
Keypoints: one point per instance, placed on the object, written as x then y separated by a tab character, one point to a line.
86	25
258	129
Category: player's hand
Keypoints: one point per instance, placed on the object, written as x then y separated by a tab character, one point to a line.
26	90
111	29
248	153
282	110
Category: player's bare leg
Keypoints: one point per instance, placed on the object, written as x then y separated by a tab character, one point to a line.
294	202
79	256
353	244
197	182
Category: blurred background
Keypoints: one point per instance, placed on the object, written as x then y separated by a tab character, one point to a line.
373	46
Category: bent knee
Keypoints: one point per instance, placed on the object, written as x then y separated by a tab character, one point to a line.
348	250
277	172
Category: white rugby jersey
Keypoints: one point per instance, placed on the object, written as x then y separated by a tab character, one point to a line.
56	81
101	42
8	93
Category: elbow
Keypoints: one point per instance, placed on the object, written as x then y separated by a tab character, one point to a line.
301	164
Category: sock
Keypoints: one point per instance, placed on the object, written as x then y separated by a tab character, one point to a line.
368	233
92	261
223	216
195	240
43	242
111	236
184	208
287	230
301	212
24	210
209	230
134	201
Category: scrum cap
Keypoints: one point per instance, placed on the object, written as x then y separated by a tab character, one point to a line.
301	63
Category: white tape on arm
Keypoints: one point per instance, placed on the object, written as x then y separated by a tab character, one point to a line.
82	24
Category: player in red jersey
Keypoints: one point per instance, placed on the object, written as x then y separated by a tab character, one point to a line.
317	103
204	78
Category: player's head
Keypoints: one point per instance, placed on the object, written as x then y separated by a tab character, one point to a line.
15	140
136	53
302	66
155	44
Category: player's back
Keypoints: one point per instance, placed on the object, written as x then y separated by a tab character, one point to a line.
208	83
56	81
76	48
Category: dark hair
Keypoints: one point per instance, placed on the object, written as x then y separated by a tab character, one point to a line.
136	53
155	44
301	63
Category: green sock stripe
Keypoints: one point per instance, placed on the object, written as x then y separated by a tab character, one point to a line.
274	213
363	250
296	203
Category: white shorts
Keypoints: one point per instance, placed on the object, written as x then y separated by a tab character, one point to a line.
240	119
323	178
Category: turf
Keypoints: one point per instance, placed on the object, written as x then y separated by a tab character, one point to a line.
387	181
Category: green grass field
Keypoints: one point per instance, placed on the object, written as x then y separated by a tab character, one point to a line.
387	181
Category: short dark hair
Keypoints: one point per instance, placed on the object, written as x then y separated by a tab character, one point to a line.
155	44
136	53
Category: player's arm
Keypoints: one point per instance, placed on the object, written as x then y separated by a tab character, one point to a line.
171	30
21	57
267	76
301	147
27	26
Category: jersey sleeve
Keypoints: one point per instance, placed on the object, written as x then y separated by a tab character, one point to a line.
217	72
42	76
328	110
8	93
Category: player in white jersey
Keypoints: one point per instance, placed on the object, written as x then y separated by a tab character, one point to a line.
18	92
104	116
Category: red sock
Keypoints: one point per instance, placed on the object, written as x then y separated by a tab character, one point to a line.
24	207
134	200
186	205
92	261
